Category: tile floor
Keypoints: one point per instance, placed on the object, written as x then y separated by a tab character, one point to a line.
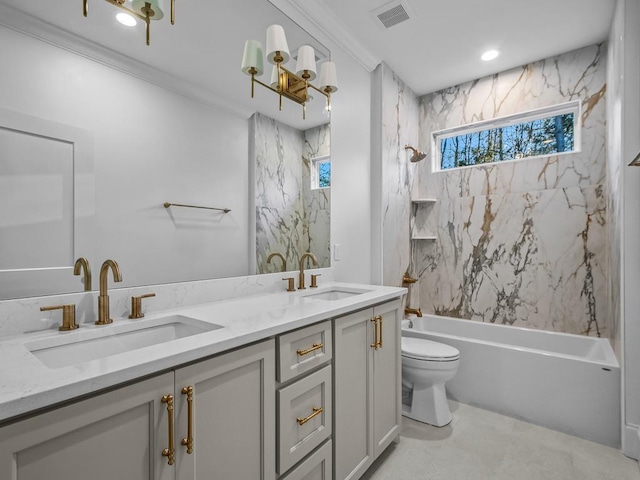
482	445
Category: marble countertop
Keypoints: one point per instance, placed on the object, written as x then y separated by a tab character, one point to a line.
28	385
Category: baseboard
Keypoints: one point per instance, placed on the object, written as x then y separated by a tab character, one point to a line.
631	441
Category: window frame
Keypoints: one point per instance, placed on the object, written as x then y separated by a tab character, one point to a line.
574	107
315	171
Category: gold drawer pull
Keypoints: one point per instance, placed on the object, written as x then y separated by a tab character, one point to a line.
169	452
188	441
316	411
316	346
376	341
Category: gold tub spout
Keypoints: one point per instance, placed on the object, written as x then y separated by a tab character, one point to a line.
410	311
406	279
103	299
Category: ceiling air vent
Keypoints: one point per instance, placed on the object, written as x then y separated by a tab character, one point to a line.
392	14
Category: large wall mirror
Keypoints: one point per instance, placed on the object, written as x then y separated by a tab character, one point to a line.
99	130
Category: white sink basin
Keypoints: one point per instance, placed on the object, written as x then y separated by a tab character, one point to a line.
85	345
335	294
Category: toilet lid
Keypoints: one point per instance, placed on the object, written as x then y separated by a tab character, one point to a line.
421	348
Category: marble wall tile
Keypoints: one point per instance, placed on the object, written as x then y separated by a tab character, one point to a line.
278	194
317	202
291	218
400	108
614	182
523	242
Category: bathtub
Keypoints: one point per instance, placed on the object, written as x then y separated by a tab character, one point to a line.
569	383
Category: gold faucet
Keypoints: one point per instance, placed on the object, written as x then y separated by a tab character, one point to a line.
284	260
83	263
103	299
302	259
409	311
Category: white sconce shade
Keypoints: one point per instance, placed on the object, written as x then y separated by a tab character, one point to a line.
277	42
274	77
252	57
328	77
306	62
156	5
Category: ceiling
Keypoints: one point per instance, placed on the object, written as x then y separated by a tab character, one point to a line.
440	45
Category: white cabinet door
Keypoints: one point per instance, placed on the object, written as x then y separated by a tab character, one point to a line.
387	378
368	388
233	416
353	392
118	434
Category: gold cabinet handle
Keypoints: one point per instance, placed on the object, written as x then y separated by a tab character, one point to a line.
380	340
188	441
316	346
316	411
375	343
169	452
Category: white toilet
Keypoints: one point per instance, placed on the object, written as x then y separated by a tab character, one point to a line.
426	367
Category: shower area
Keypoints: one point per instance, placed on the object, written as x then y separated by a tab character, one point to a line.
520	243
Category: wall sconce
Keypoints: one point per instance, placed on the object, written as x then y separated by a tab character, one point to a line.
145	10
294	86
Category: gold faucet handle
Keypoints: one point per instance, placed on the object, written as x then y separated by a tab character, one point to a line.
68	316
136	305
291	286
314	280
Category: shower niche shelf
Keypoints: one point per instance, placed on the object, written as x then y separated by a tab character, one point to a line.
419	212
424	201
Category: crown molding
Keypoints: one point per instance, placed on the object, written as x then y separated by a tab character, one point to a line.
28	25
315	14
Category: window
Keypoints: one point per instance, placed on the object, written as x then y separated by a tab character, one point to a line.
320	172
549	131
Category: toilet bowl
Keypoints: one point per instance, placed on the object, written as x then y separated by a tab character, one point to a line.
426	367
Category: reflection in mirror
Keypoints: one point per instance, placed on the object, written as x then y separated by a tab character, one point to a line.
292	216
165	124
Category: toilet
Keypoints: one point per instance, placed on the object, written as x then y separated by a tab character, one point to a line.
426	367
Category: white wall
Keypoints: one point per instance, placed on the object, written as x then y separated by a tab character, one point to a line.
626	33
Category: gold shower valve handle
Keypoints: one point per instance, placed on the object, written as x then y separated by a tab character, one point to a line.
136	305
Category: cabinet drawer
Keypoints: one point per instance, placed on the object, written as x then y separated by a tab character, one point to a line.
305	417
304	349
318	466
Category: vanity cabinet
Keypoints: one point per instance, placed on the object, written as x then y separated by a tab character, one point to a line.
305	402
123	433
367	387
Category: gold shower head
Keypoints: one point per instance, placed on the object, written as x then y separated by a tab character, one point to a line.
417	154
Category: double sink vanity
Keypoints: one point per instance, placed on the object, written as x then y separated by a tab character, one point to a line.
292	385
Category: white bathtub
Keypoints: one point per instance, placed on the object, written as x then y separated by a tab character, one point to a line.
565	382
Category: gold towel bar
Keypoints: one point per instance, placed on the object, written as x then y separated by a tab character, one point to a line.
167	205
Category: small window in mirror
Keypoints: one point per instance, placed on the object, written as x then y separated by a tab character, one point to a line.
321	172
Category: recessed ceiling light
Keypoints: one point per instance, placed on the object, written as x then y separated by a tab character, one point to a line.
126	19
490	55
